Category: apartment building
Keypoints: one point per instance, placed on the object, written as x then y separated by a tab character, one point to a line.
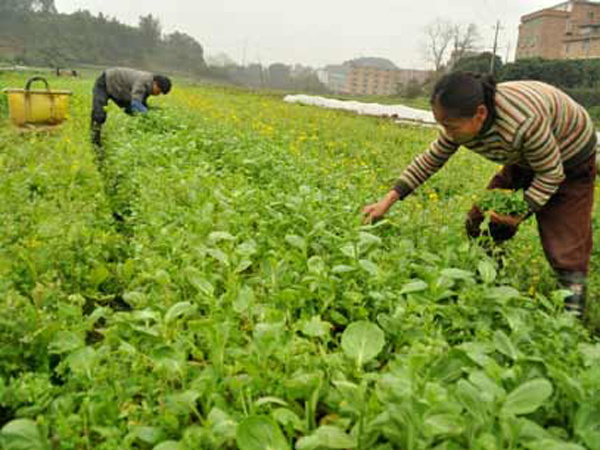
335	77
569	30
369	76
372	80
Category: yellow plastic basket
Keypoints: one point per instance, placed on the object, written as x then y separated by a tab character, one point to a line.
37	107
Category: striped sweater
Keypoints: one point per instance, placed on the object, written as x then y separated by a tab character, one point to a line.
536	126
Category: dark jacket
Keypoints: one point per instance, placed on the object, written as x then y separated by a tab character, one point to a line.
127	85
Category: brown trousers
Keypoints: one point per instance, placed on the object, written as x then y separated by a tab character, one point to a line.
564	223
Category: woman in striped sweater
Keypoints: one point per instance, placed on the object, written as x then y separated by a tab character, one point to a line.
547	145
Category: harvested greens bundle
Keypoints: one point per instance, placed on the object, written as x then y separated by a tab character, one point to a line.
503	201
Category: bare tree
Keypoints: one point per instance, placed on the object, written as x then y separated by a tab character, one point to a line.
466	39
151	30
438	38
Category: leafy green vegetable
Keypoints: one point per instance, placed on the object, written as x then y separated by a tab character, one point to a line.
260	433
503	202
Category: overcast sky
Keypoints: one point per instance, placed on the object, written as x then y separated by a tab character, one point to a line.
318	32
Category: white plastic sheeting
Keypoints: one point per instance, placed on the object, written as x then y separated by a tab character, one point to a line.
399	112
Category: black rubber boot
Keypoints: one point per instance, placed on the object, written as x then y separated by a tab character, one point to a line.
576	302
574	282
96	134
96	137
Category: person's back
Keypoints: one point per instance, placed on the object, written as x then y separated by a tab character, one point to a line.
125	85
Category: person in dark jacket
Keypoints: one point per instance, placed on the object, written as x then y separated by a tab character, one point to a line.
129	89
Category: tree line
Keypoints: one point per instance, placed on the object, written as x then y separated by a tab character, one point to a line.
451	47
274	76
579	78
32	32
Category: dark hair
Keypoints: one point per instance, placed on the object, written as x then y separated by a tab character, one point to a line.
164	83
460	93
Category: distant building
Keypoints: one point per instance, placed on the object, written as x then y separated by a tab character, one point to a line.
220	60
370	76
569	30
335	77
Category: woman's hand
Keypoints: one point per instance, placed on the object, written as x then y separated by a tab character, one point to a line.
503	219
376	211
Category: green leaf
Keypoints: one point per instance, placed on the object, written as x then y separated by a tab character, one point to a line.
244	299
553	444
178	310
531	431
316	327
316	265
287	418
487	387
362	341
591	354
66	342
149	435
587	424
196	279
343	269
348	390
182	402
469	397
487	271
327	436
222	424
444	424
369	266
296	241
367	239
397	389
219	255
260	433
99	275
486	441
302	385
502	293
270	401
247	248
477	352
505	346
168	445
457	274
527	398
350	250
144	315
82	361
308	443
243	265
168	359
22	434
217	236
414	286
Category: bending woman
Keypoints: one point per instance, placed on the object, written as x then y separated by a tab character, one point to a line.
547	145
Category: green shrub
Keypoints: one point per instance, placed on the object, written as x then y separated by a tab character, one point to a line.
585	96
413	89
571	74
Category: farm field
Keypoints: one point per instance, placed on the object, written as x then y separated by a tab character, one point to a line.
206	283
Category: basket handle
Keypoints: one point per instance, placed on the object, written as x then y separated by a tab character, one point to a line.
31	80
28	112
